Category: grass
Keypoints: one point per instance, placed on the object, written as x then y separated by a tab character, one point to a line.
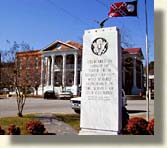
18	121
72	119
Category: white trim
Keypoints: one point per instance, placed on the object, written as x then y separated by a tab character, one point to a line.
57	41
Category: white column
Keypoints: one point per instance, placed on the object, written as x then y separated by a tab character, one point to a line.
48	68
74	87
42	74
64	71
134	72
141	68
52	71
135	90
42	71
75	70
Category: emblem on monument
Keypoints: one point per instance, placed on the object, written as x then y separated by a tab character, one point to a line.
99	46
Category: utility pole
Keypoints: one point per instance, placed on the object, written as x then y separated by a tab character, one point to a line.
147	65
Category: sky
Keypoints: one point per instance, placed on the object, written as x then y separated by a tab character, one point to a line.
41	22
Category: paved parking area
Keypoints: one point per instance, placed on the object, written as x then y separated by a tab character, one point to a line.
8	107
139	108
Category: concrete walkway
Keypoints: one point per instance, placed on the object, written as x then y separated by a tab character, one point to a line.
54	126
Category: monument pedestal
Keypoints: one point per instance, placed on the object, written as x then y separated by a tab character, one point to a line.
97	132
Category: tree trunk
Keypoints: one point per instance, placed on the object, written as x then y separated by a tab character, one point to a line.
20	114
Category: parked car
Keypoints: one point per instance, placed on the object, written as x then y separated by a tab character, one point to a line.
76	102
65	95
50	94
4	91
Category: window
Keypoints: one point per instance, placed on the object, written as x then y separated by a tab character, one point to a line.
19	75
58	46
36	62
19	63
36	76
27	78
28	63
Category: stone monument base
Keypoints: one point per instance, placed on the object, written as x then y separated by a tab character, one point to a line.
97	132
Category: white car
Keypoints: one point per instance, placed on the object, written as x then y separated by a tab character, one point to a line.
76	102
65	95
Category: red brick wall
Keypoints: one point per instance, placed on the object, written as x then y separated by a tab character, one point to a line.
28	75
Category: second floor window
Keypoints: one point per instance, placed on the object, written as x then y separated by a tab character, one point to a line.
36	62
28	63
19	63
27	79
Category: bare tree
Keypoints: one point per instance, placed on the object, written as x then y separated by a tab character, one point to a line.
9	54
26	77
9	74
21	96
126	41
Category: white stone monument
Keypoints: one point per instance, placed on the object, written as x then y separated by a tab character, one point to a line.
101	102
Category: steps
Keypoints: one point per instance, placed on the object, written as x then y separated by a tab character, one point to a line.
135	97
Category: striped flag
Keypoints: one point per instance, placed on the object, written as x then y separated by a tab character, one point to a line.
121	9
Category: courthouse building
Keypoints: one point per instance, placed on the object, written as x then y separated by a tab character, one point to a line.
58	67
61	67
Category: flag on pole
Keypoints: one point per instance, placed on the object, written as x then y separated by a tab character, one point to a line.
121	9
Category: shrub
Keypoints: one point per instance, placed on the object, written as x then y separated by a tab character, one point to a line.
150	127
137	126
35	128
2	132
13	130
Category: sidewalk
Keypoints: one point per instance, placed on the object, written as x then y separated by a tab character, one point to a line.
54	126
138	108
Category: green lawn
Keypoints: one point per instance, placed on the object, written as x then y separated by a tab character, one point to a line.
72	119
18	121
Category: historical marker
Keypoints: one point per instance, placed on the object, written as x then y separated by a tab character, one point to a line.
101	101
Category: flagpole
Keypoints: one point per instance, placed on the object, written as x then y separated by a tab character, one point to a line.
101	24
147	64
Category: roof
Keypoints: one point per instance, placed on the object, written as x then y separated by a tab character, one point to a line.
75	44
62	46
133	51
28	52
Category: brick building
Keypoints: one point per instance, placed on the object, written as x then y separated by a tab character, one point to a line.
7	75
28	65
